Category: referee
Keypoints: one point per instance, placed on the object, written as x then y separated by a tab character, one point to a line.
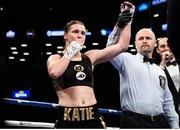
145	98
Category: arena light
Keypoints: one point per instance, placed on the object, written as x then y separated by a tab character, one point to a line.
26	53
164	27
22	59
15	52
130	45
53	33
143	6
11	57
30	33
95	43
156	15
21	94
13	48
132	50
24	45
1	8
48	44
60	47
10	34
48	53
105	32
88	33
59	52
157	2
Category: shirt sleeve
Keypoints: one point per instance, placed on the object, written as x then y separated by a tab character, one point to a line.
169	109
120	61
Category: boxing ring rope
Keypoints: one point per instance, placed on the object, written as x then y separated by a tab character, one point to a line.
29	124
43	105
31	103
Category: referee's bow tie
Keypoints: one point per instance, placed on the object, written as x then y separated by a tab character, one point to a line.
150	60
171	63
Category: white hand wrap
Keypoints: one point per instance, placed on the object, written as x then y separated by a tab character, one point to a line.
72	49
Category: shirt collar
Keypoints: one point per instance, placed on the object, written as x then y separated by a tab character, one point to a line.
140	56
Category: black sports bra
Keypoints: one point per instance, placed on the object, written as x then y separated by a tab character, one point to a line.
77	73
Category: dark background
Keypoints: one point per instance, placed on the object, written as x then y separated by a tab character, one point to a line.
41	16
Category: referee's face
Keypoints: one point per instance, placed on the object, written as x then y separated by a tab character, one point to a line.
145	41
